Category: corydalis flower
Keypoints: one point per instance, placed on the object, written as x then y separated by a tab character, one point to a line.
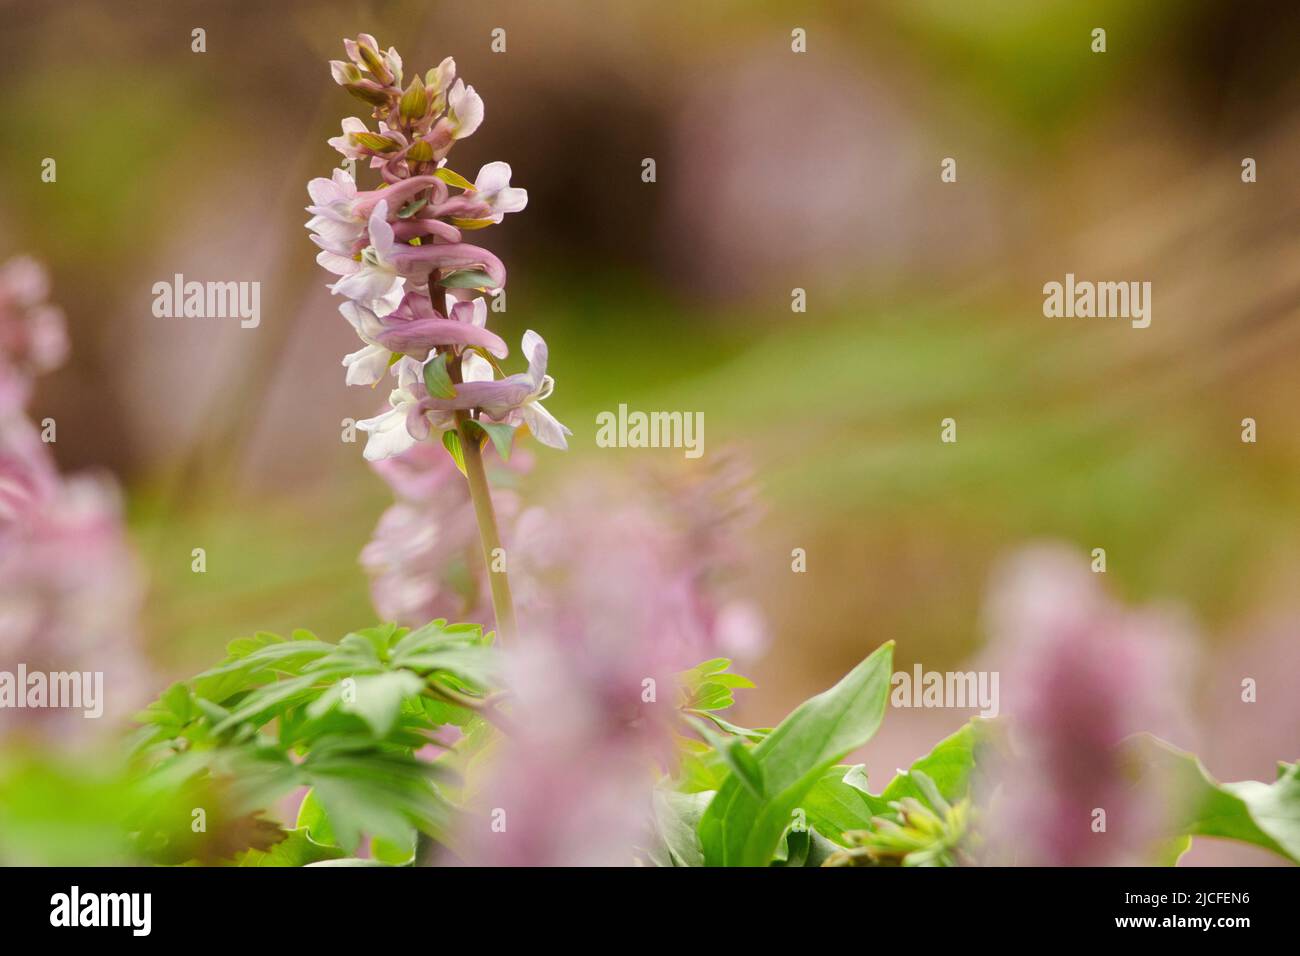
1079	674
492	188
515	399
612	598
340	216
374	282
415	330
464	110
399	253
69	586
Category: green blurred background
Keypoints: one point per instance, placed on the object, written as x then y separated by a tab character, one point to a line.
775	171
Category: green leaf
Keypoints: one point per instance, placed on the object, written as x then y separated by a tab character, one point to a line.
840	800
253	662
749	734
709	687
394	854
451	442
949	765
296	849
262	705
804	848
834	805
468	279
741	829
377	699
383	793
1250	811
437	380
313	819
502	435
406	212
676	817
740	761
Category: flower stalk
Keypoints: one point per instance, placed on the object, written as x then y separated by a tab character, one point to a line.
503	606
413	288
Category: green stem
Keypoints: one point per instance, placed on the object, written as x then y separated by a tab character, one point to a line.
503	605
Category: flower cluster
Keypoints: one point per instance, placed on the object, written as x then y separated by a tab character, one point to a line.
69	587
412	288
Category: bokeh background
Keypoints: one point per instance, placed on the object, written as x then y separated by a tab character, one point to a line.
775	170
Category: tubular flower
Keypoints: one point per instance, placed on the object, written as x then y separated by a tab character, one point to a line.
515	398
374	282
405	273
492	187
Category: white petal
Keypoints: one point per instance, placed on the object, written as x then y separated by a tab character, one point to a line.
511	200
466	108
475	368
367	366
322	191
381	232
408	371
390	300
493	177
544	426
365	322
346	184
388	435
337	264
534	347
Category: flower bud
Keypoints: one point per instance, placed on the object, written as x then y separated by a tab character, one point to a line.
414	103
368	91
393	64
364	52
344	73
420	152
380	144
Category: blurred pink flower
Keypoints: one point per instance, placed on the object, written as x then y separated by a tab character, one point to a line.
33	337
424	559
621	582
70	593
70	588
1079	673
615	600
